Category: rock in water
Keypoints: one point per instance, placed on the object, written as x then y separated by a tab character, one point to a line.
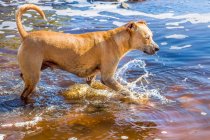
124	5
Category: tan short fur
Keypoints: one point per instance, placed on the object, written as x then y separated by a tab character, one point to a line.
81	54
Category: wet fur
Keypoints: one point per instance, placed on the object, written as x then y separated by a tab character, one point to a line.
84	55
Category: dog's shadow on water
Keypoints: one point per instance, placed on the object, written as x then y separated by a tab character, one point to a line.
9	103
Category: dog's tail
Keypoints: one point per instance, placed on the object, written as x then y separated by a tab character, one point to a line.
19	14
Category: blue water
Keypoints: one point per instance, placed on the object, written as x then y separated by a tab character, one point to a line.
179	73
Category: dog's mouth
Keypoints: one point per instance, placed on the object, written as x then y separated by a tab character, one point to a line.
149	52
151	48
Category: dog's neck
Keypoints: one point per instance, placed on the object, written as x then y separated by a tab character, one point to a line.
121	37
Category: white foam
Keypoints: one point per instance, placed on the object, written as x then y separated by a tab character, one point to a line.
164	132
208	26
174	23
117	23
8	25
203	113
177	36
193	18
45	8
95	10
32	1
2	3
27	15
11	25
23	124
200	66
28	28
92	12
102	20
185	79
179	47
2	136
75	29
10	36
122	0
163	43
176	27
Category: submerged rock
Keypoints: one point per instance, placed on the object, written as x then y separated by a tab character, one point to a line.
97	91
124	5
97	94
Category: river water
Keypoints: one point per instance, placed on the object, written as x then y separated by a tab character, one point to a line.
171	90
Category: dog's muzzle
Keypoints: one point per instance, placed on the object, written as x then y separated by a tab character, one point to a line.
151	49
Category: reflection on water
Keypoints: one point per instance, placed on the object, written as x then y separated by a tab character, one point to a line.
170	97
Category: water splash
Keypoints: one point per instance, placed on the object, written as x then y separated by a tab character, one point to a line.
138	87
26	124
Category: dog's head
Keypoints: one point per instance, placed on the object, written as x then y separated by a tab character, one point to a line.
141	37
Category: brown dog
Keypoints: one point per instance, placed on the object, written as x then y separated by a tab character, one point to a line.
81	54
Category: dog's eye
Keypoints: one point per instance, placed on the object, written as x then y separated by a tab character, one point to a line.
147	37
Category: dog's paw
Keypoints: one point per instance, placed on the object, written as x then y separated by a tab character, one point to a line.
27	100
125	92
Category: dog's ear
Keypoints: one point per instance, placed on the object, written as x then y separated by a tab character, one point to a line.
142	22
131	26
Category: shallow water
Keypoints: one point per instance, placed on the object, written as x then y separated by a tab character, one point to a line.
171	90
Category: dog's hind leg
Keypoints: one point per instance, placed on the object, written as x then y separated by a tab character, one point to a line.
30	80
30	85
30	69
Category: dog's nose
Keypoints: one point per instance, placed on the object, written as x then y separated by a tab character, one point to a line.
157	49
155	46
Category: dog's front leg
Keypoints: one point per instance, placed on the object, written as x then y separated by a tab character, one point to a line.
107	78
111	83
90	79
